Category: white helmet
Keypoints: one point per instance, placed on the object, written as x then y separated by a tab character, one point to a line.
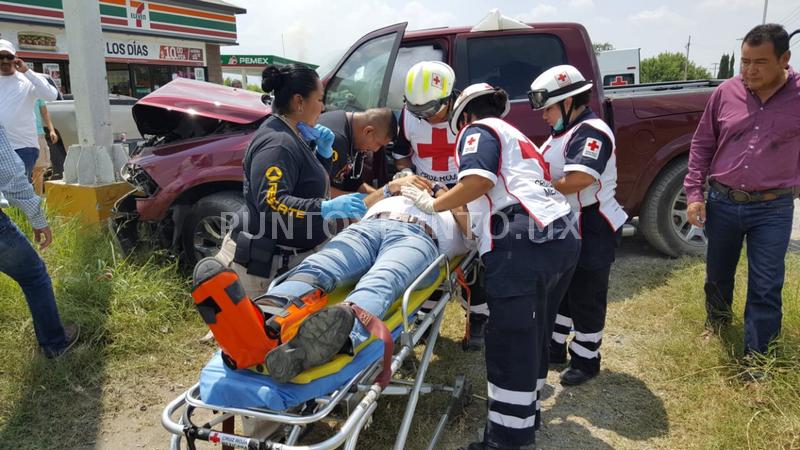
471	93
556	84
429	86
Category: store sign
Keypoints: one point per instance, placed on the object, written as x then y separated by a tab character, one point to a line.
37	41
138	14
131	49
136	49
173	53
246	60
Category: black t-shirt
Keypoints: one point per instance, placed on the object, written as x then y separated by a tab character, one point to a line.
345	157
286	183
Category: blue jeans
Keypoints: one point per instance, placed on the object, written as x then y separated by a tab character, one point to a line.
767	226
19	260
29	155
381	256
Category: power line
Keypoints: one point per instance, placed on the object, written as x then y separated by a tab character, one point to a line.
795	13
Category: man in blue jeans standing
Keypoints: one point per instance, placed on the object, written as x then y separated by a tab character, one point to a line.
747	147
381	254
19	260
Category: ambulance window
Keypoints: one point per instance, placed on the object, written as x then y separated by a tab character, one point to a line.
513	62
357	84
407	57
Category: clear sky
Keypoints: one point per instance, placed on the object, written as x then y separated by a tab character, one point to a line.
318	30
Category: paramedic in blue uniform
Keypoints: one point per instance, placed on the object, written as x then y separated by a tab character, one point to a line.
286	185
522	225
581	155
359	137
426	147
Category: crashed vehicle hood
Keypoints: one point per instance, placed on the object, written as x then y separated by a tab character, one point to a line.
167	108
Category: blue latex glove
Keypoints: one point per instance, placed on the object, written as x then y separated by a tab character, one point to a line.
309	134
324	141
350	206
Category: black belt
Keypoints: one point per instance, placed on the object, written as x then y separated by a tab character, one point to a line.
388	215
516	208
740	196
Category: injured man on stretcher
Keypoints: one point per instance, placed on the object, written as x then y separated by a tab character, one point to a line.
380	256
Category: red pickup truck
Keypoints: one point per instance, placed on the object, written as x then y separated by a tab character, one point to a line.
189	170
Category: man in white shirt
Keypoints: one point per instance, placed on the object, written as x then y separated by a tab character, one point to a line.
20	87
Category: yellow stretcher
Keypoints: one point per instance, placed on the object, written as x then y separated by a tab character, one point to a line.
345	380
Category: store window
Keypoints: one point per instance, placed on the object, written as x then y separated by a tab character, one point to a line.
119	79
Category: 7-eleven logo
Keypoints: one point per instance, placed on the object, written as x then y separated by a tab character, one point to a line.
138	16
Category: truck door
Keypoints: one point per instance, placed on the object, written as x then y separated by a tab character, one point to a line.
510	60
361	79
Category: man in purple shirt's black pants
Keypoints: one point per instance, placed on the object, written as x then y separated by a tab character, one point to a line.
747	146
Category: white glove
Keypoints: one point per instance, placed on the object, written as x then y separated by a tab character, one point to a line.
3	202
421	198
403	173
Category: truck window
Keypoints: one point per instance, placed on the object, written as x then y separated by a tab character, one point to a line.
512	62
407	57
357	85
618	79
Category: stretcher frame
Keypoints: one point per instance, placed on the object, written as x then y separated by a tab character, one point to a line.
358	397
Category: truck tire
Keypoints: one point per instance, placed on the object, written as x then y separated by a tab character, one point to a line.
202	230
663	219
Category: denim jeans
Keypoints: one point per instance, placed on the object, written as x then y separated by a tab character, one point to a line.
767	226
29	155
382	257
19	260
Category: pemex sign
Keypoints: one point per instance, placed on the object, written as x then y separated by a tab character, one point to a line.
257	61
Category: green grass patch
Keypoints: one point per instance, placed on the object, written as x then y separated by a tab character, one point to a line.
137	325
701	379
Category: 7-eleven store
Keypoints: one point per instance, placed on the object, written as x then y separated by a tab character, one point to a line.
147	43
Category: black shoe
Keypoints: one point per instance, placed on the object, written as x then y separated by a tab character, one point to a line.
206	268
72	331
573	377
477	333
558	354
320	337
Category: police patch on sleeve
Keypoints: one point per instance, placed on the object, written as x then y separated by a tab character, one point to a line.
591	149
471	143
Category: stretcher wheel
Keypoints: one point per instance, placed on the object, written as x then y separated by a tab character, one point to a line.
228	361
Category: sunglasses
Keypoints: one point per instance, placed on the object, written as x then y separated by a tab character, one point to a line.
8	57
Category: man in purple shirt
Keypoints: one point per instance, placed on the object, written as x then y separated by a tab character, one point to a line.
747	147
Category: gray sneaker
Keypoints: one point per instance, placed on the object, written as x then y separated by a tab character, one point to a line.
73	332
320	337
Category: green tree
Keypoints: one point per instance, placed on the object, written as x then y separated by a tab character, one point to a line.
602	47
732	67
723	66
669	67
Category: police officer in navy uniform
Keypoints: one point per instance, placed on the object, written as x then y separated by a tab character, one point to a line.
426	147
358	160
522	225
286	185
581	155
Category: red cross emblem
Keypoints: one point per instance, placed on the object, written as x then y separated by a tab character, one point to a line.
562	79
214	438
436	81
619	81
439	150
471	140
593	145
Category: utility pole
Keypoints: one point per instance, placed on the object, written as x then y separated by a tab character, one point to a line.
714	69
764	19
686	67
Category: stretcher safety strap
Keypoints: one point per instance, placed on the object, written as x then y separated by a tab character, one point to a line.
462	281
377	328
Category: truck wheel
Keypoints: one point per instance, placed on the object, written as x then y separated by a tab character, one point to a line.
203	229
663	219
